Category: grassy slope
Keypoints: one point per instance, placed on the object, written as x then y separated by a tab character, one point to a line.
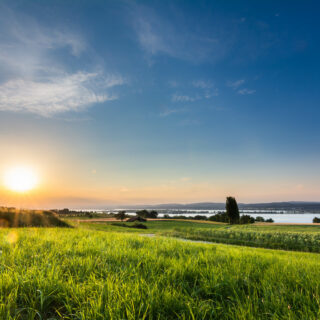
287	237
81	274
11	217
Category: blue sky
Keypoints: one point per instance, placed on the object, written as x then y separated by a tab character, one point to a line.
162	101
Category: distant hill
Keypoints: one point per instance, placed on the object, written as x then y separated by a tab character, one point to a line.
290	205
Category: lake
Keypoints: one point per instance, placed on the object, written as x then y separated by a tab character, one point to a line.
277	217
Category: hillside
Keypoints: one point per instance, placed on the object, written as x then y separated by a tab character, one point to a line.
12	217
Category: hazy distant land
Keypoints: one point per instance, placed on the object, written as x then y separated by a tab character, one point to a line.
294	206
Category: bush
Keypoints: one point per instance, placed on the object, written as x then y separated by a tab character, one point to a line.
259	219
121	215
219	217
198	217
316	220
246	219
269	220
89	215
147	214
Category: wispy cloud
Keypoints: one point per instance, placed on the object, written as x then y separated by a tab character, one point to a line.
211	93
202	84
206	94
56	94
158	35
33	78
169	112
208	89
246	91
235	84
182	98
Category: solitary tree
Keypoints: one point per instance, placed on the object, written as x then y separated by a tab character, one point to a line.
232	210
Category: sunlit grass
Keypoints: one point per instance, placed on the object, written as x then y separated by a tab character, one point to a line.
84	274
12	217
298	238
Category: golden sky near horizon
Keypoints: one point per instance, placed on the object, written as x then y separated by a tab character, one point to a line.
69	178
85	189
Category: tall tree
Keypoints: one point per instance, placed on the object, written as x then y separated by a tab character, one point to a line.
232	210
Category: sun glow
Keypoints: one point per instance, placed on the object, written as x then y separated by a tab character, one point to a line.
20	179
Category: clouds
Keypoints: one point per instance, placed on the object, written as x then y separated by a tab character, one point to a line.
202	84
238	83
235	84
246	91
27	48
157	35
169	112
182	98
56	94
202	89
39	70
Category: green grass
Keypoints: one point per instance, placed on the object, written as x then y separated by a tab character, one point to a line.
153	226
12	217
287	237
90	274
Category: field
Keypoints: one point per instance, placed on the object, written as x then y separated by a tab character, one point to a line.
83	273
286	237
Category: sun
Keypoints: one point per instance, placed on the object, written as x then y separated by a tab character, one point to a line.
20	179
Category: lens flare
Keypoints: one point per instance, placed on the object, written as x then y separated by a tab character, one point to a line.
20	179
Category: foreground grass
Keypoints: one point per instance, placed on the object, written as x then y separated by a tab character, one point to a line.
287	237
88	274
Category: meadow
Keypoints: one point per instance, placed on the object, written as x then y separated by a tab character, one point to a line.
54	273
286	237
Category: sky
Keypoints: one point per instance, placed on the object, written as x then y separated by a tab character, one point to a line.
145	102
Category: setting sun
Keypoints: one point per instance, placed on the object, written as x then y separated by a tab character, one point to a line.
20	179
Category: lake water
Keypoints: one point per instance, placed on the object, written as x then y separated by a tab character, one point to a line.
277	217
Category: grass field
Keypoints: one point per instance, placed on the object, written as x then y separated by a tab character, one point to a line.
89	274
286	237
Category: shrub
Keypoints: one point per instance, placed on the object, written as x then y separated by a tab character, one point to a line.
246	219
316	220
259	219
121	215
147	214
198	217
89	215
220	217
